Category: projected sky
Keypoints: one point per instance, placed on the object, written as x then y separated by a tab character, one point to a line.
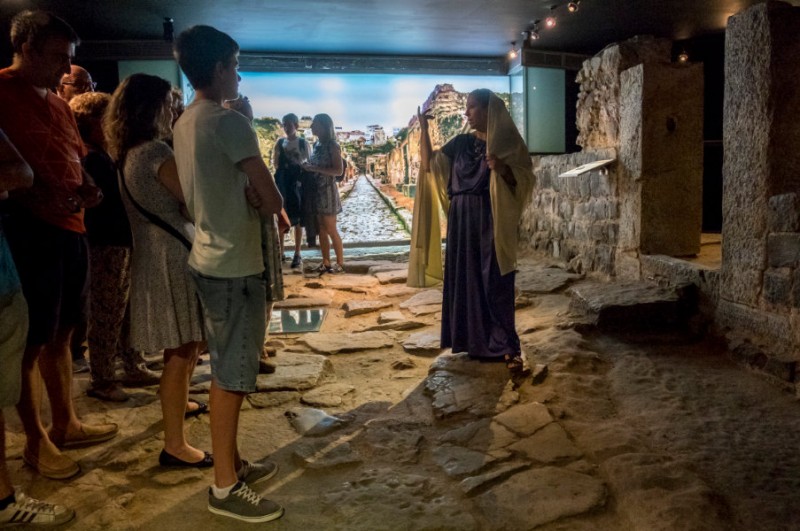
354	101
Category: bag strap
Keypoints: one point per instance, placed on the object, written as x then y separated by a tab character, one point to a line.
155	220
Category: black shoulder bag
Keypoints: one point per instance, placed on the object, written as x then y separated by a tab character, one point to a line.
155	220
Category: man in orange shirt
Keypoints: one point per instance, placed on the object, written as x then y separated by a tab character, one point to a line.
45	230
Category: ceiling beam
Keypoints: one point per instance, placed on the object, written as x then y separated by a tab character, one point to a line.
120	50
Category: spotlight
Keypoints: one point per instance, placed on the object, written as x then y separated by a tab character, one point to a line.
683	57
512	53
573	7
534	31
169	30
550	22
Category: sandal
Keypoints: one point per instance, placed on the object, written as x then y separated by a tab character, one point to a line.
516	364
201	408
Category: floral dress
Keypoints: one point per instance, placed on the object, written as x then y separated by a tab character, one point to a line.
328	201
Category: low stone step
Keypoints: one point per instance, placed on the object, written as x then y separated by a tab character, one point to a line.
631	306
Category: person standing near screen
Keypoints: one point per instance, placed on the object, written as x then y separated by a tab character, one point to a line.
488	178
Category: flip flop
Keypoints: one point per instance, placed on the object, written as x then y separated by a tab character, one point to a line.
202	407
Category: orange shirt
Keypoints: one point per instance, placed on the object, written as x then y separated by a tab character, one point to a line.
45	133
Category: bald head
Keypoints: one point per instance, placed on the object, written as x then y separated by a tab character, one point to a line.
78	81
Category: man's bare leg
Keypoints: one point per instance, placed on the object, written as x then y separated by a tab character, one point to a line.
29	408
225	408
55	364
6	488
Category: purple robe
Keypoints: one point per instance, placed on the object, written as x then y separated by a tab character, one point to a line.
478	305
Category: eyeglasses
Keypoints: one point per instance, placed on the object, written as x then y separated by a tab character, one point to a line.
81	84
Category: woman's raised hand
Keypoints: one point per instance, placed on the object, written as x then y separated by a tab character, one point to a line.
423	118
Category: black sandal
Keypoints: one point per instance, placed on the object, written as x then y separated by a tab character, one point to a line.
516	365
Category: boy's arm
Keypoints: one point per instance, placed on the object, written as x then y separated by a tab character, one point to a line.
264	185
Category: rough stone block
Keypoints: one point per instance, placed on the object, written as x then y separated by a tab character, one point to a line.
747	321
600	183
778	286
784	213
796	288
585	186
740	285
754	357
627	305
783	249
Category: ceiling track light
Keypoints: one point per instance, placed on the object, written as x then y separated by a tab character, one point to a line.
573	7
550	21
532	33
512	53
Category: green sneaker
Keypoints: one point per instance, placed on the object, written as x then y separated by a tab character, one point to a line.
252	473
245	505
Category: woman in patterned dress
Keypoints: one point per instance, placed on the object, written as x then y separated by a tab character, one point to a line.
165	313
326	163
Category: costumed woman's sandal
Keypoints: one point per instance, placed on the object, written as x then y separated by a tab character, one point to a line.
517	368
515	364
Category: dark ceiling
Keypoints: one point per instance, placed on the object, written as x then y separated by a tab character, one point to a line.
469	28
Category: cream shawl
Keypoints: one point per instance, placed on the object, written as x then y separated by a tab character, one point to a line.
502	140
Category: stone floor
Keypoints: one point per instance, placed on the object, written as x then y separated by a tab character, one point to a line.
375	428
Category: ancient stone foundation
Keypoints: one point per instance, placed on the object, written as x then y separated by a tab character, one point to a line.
760	276
645	113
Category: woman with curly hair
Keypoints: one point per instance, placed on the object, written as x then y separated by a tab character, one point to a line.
109	235
164	309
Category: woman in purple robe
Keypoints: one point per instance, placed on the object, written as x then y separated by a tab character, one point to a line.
478	292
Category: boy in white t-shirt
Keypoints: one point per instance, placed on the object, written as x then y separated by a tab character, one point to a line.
217	154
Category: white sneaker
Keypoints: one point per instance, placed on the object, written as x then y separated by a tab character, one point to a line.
30	511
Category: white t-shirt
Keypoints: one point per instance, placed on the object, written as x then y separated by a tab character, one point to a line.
209	141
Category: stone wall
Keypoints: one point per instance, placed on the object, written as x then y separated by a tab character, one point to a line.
574	219
598	111
635	107
760	276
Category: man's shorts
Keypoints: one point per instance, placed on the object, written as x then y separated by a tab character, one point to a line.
13	331
53	266
234	312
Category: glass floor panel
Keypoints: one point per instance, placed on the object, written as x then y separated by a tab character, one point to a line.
296	321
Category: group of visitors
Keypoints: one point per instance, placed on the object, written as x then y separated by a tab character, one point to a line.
184	246
152	202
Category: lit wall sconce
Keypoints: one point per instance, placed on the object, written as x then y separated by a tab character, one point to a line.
573	7
683	57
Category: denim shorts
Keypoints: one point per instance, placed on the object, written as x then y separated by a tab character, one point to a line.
234	312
